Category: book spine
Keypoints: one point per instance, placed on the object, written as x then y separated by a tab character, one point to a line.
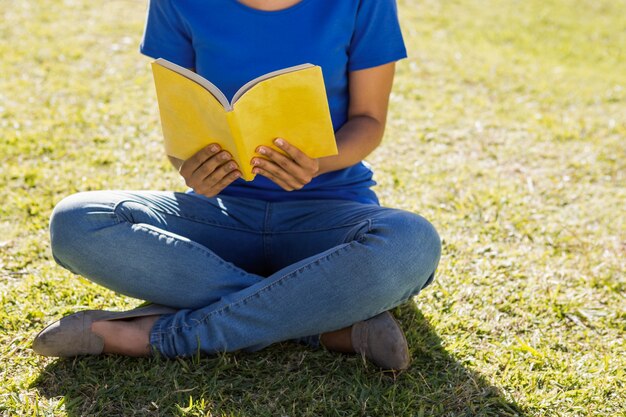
241	158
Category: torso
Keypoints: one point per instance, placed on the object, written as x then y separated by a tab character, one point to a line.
231	42
274	5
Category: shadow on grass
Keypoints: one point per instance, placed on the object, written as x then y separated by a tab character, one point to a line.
283	380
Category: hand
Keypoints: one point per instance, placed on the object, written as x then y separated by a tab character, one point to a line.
290	172
209	171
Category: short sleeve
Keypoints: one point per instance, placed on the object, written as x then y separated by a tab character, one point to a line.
166	36
377	38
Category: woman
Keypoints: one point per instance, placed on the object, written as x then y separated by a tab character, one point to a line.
304	252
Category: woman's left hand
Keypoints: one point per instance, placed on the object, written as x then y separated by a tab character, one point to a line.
291	172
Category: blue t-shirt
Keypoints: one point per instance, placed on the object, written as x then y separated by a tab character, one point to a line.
230	44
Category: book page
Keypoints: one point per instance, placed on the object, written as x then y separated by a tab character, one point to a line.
208	85
292	106
247	86
191	117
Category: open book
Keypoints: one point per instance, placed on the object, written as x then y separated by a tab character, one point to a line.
290	103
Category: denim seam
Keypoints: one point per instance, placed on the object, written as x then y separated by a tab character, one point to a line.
285	232
191	245
292	274
118	204
268	215
186	217
116	216
266	233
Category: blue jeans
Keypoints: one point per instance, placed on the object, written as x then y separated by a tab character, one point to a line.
245	273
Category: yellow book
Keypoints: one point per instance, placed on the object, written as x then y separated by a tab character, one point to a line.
290	103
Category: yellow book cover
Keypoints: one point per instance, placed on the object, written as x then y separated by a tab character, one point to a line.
290	103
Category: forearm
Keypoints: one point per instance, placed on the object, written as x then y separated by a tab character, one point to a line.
356	139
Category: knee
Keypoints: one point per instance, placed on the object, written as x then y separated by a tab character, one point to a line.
417	248
68	227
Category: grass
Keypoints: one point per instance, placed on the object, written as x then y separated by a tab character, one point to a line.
507	129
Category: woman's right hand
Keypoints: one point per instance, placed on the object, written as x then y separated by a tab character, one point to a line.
209	171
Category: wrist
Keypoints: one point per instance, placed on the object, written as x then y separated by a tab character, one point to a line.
325	165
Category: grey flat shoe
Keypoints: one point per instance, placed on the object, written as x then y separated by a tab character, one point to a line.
381	340
72	335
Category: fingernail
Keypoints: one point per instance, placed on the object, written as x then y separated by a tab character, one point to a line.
255	170
262	151
255	162
279	142
224	156
232	166
214	148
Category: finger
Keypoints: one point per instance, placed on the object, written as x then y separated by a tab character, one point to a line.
280	182
226	181
303	174
209	166
291	169
296	154
222	171
286	163
192	163
278	172
210	183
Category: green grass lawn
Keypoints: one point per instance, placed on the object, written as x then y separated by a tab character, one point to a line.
507	130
